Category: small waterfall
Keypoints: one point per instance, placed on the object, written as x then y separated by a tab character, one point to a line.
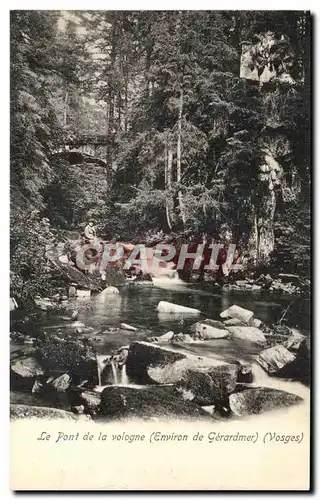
261	378
99	377
124	377
114	367
167	280
102	360
109	371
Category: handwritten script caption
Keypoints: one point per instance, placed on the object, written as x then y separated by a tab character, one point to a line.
158	437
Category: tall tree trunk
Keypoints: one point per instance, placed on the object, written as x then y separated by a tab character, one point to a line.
265	226
180	196
168	183
253	237
119	109
147	68
65	113
126	79
120	79
111	91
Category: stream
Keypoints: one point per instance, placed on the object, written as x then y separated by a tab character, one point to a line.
136	306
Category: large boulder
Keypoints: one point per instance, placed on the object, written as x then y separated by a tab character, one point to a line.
61	383
249	333
160	402
72	356
302	362
295	339
27	368
237	312
18	411
277	360
25	371
152	363
260	399
173	373
211	385
142	355
205	380
69	272
210	329
169	307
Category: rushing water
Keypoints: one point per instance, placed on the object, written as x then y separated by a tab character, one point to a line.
136	306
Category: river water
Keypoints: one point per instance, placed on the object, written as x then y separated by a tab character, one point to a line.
136	306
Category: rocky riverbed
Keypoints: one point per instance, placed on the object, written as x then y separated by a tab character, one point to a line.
203	368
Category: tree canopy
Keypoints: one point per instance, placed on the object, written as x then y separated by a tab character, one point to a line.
192	146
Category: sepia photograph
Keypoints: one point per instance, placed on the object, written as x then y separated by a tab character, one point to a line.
160	254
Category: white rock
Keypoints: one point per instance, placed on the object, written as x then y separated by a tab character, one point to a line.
83	293
237	312
27	368
166	337
110	290
275	359
295	339
247	333
169	307
125	326
255	322
207	332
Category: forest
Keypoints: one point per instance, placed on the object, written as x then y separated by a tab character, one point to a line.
140	129
188	143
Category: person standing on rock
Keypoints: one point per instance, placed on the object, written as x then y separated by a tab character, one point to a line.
90	232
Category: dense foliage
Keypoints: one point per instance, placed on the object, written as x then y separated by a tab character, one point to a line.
191	147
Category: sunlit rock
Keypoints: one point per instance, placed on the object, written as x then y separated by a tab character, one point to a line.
237	312
169	307
249	333
260	399
130	328
276	359
204	330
